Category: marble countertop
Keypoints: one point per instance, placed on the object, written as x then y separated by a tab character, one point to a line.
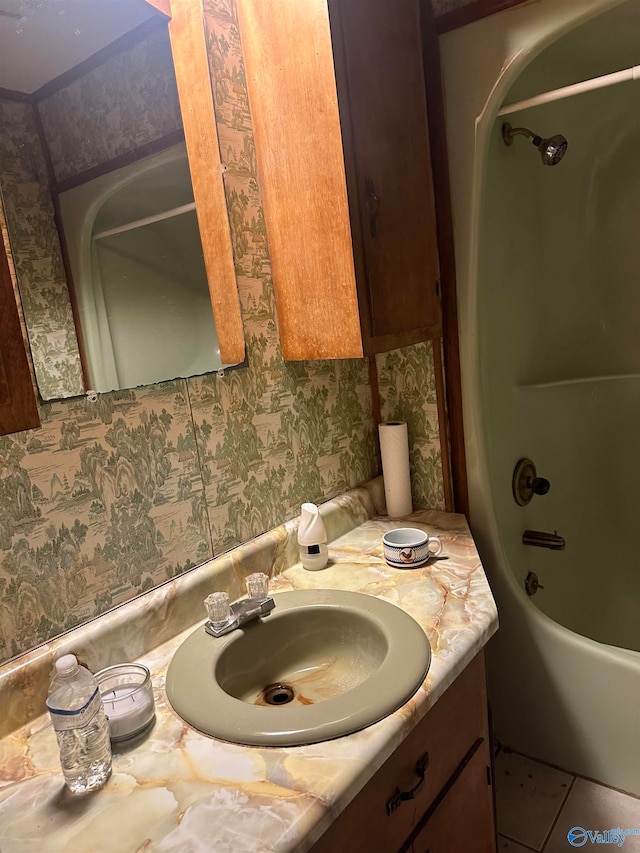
175	789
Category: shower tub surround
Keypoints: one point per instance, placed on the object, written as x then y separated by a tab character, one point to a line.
176	789
570	405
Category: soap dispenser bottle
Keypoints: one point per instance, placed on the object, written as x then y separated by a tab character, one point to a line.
312	538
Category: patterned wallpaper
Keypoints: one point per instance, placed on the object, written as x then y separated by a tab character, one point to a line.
108	499
98	504
125	102
407	385
35	250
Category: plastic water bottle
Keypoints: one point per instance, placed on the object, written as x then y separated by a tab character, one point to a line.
80	725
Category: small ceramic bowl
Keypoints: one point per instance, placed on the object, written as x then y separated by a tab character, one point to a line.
408	547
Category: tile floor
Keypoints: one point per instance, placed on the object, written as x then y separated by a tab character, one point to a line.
537	805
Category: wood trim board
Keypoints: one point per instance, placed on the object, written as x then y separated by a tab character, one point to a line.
18	406
473	12
145	150
452	391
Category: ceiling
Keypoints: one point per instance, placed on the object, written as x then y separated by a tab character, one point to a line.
41	39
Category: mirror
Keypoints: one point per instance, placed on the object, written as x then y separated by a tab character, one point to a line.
135	256
88	101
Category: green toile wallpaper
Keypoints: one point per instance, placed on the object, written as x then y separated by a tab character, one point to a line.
108	499
132	99
407	386
35	250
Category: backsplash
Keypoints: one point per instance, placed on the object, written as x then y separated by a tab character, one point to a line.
108	499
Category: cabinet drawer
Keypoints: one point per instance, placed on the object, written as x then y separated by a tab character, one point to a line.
464	818
446	734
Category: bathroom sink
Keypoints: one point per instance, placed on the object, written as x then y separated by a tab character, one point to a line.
323	664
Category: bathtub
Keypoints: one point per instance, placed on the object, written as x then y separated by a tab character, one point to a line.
550	351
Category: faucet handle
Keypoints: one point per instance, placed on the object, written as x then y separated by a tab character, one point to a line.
539	485
257	585
217	604
526	483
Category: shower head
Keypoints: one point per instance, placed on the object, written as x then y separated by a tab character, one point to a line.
552	150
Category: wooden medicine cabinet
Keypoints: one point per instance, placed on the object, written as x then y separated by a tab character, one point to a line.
337	97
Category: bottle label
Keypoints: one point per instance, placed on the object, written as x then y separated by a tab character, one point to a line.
64	721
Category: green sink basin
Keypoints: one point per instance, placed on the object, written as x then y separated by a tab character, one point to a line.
323	664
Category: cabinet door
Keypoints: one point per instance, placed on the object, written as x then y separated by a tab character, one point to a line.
464	818
378	56
443	737
287	50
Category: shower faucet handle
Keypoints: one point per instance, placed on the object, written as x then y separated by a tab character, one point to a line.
526	483
540	485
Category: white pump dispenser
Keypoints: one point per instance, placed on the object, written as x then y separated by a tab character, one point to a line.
312	538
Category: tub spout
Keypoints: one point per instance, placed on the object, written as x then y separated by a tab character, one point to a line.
544	540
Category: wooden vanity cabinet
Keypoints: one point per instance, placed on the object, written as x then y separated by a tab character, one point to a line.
453	809
463	820
337	98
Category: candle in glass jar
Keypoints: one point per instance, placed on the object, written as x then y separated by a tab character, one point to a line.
127	696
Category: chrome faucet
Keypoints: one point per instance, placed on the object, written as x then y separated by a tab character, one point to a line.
224	618
544	540
240	613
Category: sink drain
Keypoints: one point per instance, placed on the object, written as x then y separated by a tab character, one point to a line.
277	694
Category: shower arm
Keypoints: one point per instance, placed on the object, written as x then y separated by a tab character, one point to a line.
508	135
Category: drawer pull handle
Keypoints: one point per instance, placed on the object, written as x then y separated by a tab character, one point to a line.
398	797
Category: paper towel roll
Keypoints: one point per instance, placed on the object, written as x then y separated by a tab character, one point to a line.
394	448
